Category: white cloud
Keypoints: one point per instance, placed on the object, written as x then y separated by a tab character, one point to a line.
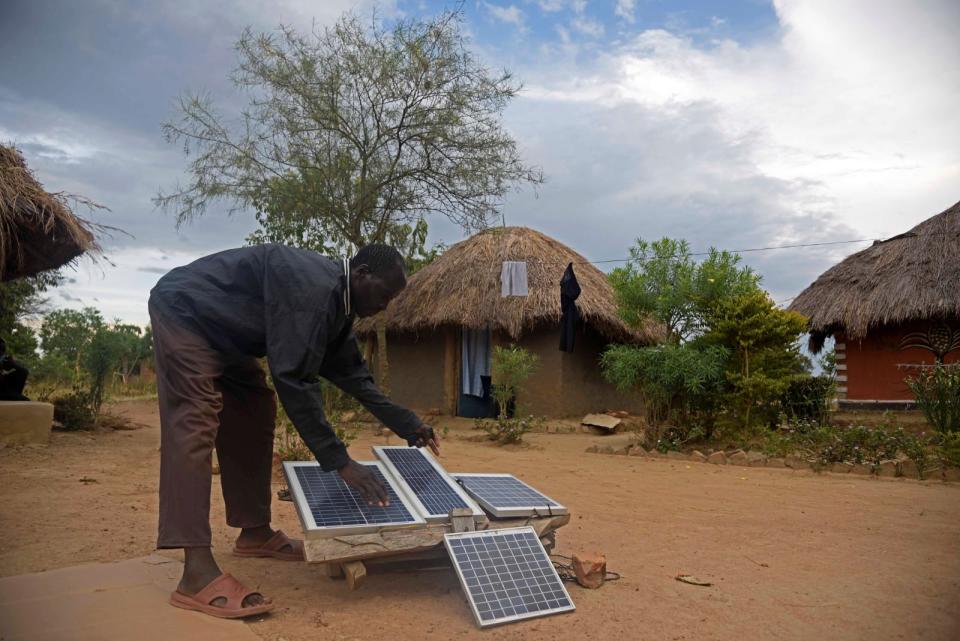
588	27
625	9
511	15
844	104
551	6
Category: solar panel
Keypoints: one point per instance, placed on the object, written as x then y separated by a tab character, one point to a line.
428	486
329	507
504	496
507	575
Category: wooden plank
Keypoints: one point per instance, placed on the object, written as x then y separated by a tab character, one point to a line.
395	543
355	572
333	570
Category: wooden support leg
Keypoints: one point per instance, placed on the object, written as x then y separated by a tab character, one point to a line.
333	570
356	572
461	520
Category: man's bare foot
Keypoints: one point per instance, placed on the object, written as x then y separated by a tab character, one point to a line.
199	569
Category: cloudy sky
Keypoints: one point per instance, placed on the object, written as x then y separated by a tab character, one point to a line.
736	124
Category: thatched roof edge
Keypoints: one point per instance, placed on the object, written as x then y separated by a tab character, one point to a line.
909	276
462	288
38	231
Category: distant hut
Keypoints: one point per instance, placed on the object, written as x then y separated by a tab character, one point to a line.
38	231
893	308
454	307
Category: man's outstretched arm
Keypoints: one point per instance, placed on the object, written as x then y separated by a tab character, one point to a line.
347	370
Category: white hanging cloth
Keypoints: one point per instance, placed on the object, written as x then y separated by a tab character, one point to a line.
513	278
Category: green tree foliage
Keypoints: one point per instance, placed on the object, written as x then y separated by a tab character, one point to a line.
66	334
728	347
352	130
765	354
21	300
81	349
664	284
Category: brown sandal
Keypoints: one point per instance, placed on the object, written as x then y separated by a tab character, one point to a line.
273	549
228	587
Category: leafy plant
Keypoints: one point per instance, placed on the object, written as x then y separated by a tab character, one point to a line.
937	391
808	398
662	282
512	366
74	411
506	430
763	342
679	383
948	448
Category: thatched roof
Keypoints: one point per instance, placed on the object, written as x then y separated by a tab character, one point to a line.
462	287
911	276
37	229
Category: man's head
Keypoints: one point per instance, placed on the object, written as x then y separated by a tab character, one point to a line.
376	277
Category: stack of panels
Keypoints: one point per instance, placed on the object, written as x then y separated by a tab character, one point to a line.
507	575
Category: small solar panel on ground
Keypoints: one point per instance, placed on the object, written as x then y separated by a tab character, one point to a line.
427	484
507	575
504	496
328	506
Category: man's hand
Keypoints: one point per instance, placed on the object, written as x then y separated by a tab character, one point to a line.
360	478
425	436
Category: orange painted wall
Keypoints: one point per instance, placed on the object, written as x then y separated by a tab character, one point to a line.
874	369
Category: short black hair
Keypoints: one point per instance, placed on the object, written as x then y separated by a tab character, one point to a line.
381	260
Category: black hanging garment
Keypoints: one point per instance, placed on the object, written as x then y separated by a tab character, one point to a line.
569	291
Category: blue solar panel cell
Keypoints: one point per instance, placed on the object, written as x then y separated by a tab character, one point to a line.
507	575
426	482
504	495
331	503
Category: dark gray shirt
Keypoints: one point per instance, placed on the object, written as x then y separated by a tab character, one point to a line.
286	304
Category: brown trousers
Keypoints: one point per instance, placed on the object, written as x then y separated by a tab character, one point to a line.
208	401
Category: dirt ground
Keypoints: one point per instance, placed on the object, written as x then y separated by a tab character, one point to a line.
791	555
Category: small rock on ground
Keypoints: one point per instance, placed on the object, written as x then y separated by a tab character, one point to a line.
887	469
717	458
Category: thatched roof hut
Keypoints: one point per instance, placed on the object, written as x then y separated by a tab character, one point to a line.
462	288
915	275
892	308
38	231
456	302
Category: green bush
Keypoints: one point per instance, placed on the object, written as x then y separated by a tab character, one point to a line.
807	398
74	411
938	395
505	430
948	448
678	383
512	366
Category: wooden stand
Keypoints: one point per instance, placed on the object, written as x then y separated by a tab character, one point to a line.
352	556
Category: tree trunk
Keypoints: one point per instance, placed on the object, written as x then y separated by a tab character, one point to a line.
383	365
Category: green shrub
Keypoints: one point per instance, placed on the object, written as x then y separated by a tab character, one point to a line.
512	366
74	411
948	448
678	383
807	398
506	430
938	395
